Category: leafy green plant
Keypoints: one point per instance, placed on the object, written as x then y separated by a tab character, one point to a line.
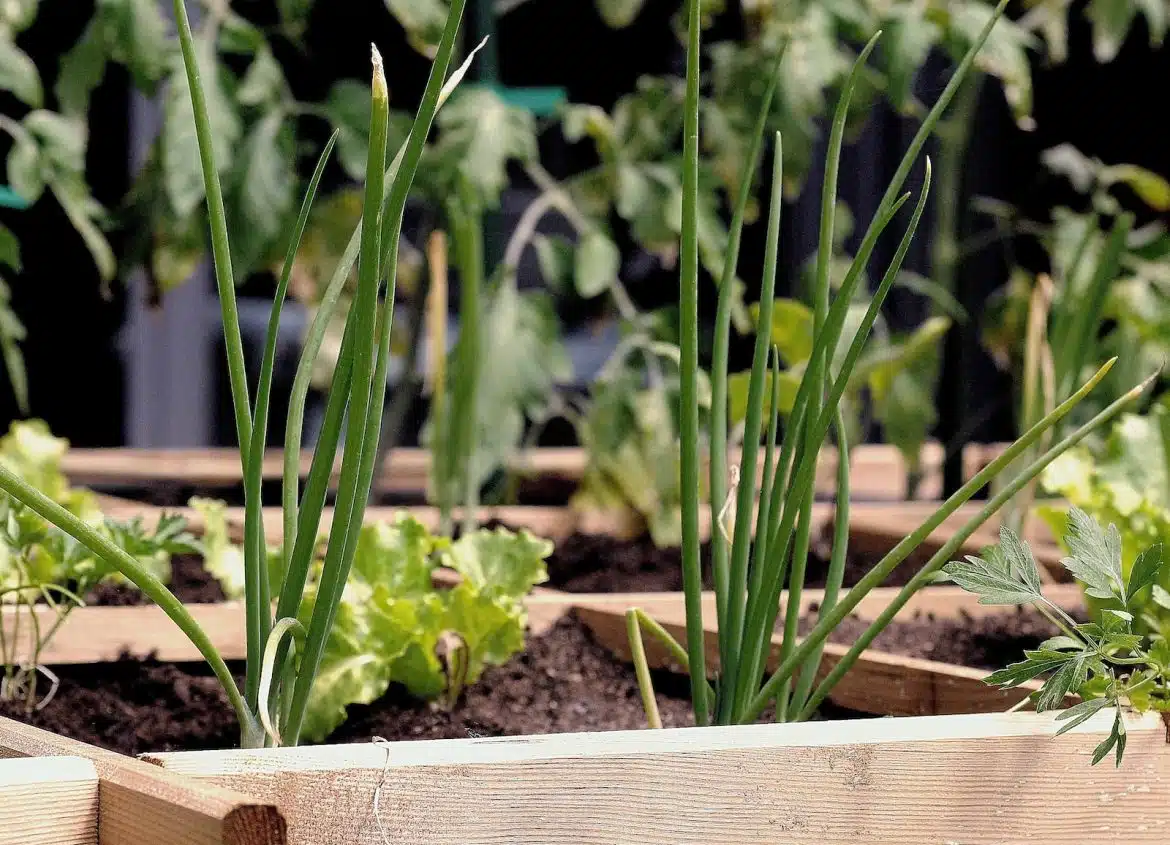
43	569
1106	293
393	623
1123	482
818	38
355	402
479	412
1107	662
629	430
749	577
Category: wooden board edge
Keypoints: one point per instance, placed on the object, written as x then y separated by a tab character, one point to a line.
140	804
101	634
884	781
47	800
879	683
880	470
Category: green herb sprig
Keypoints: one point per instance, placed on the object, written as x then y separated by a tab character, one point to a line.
1107	662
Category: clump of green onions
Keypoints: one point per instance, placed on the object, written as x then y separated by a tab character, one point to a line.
272	705
749	577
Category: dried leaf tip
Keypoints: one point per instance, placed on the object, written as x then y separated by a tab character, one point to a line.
379	82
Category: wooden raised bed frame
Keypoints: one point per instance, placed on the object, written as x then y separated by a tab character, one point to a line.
878	471
990	778
960	778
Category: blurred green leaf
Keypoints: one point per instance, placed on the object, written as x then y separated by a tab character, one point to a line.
182	176
556	258
596	264
9	249
348	109
910	36
423	21
19	75
479	135
264	83
263	191
619	13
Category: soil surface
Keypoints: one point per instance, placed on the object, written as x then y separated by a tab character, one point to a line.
190	583
564	681
987	642
596	563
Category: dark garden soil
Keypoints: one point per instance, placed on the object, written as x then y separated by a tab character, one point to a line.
190	583
564	681
596	563
582	563
988	642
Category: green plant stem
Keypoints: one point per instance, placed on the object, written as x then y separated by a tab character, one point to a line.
388	236
1056	621
689	373
903	549
954	135
719	358
762	623
1086	317
642	669
836	573
926	574
220	249
395	419
464	408
255	553
155	590
233	344
746	495
363	316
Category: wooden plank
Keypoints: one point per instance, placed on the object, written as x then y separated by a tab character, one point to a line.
98	634
879	470
553	523
875	528
978	780
140	804
48	801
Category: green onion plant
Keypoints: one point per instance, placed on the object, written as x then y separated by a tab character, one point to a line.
274	711
750	576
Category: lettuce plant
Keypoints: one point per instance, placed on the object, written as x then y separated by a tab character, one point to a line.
392	622
1108	662
750	576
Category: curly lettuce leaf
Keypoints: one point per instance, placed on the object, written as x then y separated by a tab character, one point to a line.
221	557
499	563
392	619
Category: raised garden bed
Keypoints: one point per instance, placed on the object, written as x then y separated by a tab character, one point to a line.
551	474
466	779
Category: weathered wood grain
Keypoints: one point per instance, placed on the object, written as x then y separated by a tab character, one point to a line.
976	780
48	801
140	804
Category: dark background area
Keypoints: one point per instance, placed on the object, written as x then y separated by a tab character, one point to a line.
75	373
